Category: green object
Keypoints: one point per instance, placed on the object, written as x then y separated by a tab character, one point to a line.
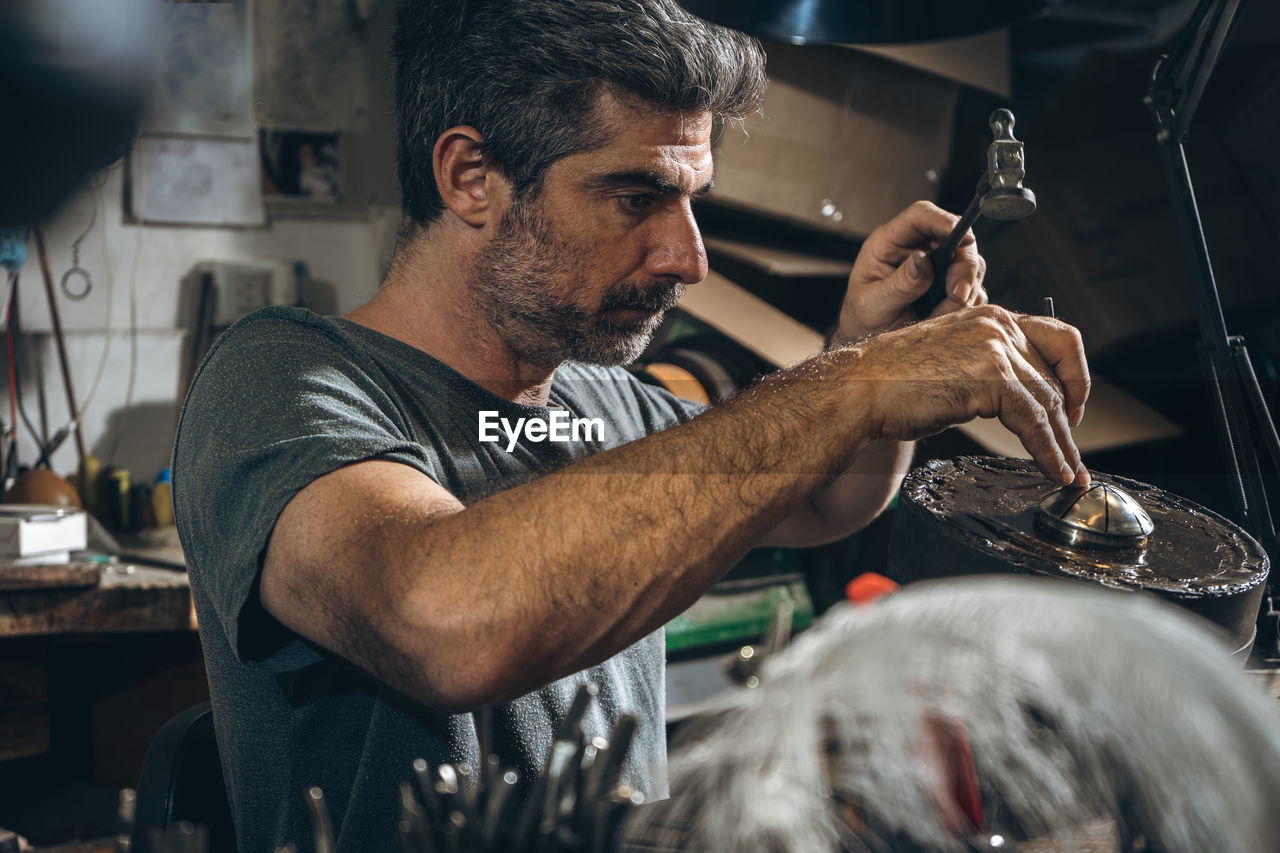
725	617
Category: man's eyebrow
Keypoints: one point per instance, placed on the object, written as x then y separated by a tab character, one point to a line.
652	180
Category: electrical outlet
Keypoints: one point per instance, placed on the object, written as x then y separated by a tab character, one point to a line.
245	286
250	290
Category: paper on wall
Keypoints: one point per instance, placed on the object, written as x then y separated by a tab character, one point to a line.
309	73
204	74
196	181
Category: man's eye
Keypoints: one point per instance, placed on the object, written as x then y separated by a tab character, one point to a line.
636	203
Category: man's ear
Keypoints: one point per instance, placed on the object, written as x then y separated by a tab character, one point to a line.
468	184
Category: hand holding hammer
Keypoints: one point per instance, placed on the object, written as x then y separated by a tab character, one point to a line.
1000	195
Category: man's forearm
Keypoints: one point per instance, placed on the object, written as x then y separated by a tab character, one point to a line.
850	502
577	565
464	606
865	488
854	498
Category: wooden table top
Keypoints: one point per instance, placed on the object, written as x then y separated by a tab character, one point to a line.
127	597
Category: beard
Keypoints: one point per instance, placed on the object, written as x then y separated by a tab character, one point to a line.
514	285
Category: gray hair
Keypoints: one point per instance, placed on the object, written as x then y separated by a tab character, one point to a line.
528	74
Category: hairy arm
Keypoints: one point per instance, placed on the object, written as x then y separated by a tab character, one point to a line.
466	606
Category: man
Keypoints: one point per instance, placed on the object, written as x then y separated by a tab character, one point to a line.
369	572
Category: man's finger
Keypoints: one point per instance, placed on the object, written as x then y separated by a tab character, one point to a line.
964	279
1062	349
1023	414
919	224
906	284
1047	391
967	271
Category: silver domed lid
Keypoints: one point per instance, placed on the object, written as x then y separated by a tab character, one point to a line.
1098	514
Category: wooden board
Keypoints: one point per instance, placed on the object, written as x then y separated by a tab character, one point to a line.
749	320
780	262
55	576
128	598
833	148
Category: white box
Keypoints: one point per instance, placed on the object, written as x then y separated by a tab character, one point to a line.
27	530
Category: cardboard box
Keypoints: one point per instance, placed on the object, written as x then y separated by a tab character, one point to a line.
786	263
846	141
980	61
749	320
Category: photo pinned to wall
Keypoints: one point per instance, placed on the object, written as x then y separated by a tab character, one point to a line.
300	168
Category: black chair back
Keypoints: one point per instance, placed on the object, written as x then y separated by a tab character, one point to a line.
182	781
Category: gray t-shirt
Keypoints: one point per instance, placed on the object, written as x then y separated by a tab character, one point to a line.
285	397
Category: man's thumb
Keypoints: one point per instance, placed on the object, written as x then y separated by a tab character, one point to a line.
913	276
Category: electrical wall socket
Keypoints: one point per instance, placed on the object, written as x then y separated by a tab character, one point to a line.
245	286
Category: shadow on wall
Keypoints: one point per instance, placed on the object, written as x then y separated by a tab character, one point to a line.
199	310
139	439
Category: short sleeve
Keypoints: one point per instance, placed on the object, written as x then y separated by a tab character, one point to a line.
278	403
634	408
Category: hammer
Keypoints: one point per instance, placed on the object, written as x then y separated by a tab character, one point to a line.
1000	195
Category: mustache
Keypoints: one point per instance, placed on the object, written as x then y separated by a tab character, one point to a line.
652	296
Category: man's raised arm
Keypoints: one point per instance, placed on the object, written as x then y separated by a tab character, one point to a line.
890	273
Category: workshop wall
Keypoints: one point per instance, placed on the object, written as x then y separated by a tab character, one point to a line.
129	340
279	65
131	328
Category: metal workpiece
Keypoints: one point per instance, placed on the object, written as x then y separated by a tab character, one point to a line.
1100	514
992	515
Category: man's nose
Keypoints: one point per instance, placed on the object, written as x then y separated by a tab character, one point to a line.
677	250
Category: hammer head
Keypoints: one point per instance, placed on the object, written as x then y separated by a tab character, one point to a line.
1006	197
1013	203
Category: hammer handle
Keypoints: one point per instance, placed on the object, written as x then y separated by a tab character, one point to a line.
940	258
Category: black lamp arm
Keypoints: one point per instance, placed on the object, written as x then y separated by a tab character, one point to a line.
1178	79
1246	431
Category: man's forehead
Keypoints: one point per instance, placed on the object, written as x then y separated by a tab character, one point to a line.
622	111
675	146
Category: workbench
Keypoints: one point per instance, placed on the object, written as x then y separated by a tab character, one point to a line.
94	657
126	597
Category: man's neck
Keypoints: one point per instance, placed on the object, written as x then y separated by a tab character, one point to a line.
425	302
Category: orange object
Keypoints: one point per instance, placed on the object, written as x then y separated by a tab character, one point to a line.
679	381
42	486
867	587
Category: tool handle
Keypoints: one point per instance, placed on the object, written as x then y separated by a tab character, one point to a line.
940	258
